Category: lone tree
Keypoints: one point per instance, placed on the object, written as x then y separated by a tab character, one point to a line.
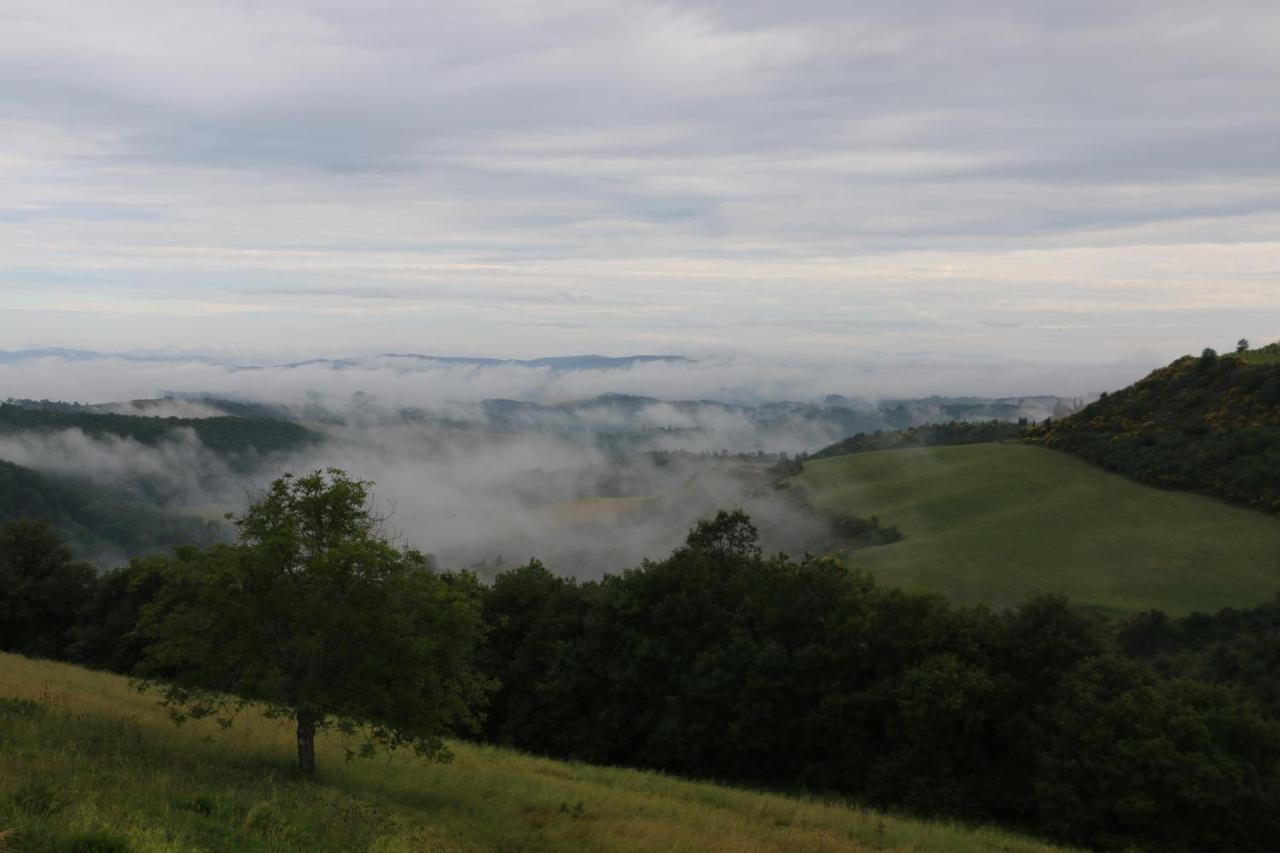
312	614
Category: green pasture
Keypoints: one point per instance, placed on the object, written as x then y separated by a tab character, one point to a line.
995	523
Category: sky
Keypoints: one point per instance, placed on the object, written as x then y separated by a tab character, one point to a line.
1056	183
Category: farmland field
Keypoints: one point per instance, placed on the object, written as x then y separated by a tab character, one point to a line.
995	523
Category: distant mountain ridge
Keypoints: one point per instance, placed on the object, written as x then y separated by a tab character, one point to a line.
794	425
554	363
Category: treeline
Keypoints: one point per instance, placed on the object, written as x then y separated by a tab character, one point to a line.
1209	424
929	435
719	662
96	521
724	663
847	531
1236	647
236	438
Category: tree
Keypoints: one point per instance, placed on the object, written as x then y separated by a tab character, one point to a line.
1126	758
312	614
42	589
1242	345
104	636
730	535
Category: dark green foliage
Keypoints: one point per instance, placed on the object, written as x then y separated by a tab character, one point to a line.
929	435
721	662
239	439
786	467
846	531
1209	424
315	616
856	531
105	635
940	726
95	521
1180	765
241	408
1235	647
718	661
42	589
728	536
521	634
1045	640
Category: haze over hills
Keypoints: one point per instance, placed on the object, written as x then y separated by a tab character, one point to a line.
599	482
407	378
568	362
491	481
790	395
951	533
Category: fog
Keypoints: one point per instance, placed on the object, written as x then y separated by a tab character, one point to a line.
488	466
398	381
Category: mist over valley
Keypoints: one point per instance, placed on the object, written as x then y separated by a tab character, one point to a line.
745	427
587	485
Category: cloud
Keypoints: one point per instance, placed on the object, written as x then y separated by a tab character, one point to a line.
390	384
524	179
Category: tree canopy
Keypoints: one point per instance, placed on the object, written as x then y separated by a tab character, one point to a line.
42	589
315	615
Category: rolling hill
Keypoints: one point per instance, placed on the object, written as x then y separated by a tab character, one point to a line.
239	439
994	523
88	765
100	524
1209	424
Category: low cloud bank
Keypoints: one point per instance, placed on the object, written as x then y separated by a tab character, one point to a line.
493	464
743	379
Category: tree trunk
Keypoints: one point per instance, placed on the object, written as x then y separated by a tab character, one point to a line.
307	743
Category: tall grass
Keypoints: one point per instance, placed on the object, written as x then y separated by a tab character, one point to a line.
88	766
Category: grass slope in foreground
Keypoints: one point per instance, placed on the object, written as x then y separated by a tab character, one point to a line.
993	523
94	757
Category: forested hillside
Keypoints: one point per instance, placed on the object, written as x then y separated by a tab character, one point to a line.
1239	647
927	435
1209	424
96	522
234	437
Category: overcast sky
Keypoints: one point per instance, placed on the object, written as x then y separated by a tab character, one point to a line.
1067	182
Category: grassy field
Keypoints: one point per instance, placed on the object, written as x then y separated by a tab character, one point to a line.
997	522
83	759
